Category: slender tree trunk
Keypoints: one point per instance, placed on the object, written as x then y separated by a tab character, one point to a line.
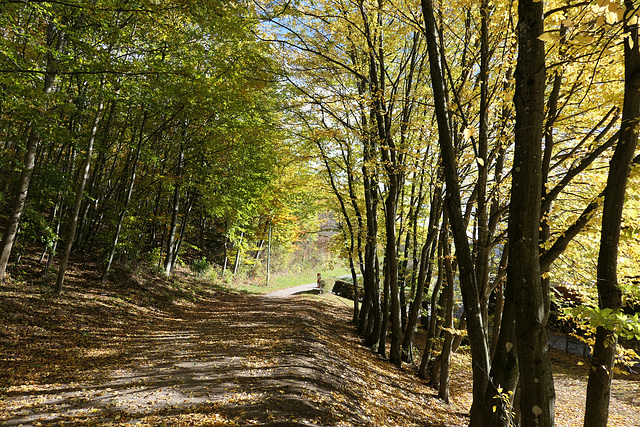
499	286
468	283
236	263
371	327
504	367
350	227
482	243
183	227
171	241
269	255
610	295
123	212
445	360
424	274
395	352
57	220
97	173
73	224
33	141
427	354
384	327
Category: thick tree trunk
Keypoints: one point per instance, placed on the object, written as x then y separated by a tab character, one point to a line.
610	295
523	271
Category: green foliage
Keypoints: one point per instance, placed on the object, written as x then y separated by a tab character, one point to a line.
36	229
621	324
200	267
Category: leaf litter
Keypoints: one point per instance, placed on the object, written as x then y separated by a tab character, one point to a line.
141	350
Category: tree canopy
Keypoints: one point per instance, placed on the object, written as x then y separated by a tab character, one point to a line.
472	154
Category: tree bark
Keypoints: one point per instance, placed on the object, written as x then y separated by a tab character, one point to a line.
123	212
73	222
371	323
350	228
33	141
19	201
171	241
523	271
610	295
445	359
468	284
395	352
424	274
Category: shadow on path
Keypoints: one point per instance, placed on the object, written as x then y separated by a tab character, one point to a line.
245	359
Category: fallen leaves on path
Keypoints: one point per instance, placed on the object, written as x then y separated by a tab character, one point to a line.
152	352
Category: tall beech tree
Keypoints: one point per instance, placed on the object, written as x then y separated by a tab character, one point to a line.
537	400
468	283
610	294
55	41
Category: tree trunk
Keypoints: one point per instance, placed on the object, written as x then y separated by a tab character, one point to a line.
236	263
123	212
20	199
482	248
73	223
183	227
11	228
395	352
171	241
384	326
371	323
427	355
504	367
468	284
269	255
350	227
445	360
610	295
424	274
523	271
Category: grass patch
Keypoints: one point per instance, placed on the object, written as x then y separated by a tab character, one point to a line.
282	281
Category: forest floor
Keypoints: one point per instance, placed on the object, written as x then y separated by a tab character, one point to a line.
141	350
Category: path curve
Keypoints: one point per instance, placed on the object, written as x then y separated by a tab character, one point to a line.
309	288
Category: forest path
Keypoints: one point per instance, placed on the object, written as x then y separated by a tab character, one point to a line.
224	359
309	288
151	351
